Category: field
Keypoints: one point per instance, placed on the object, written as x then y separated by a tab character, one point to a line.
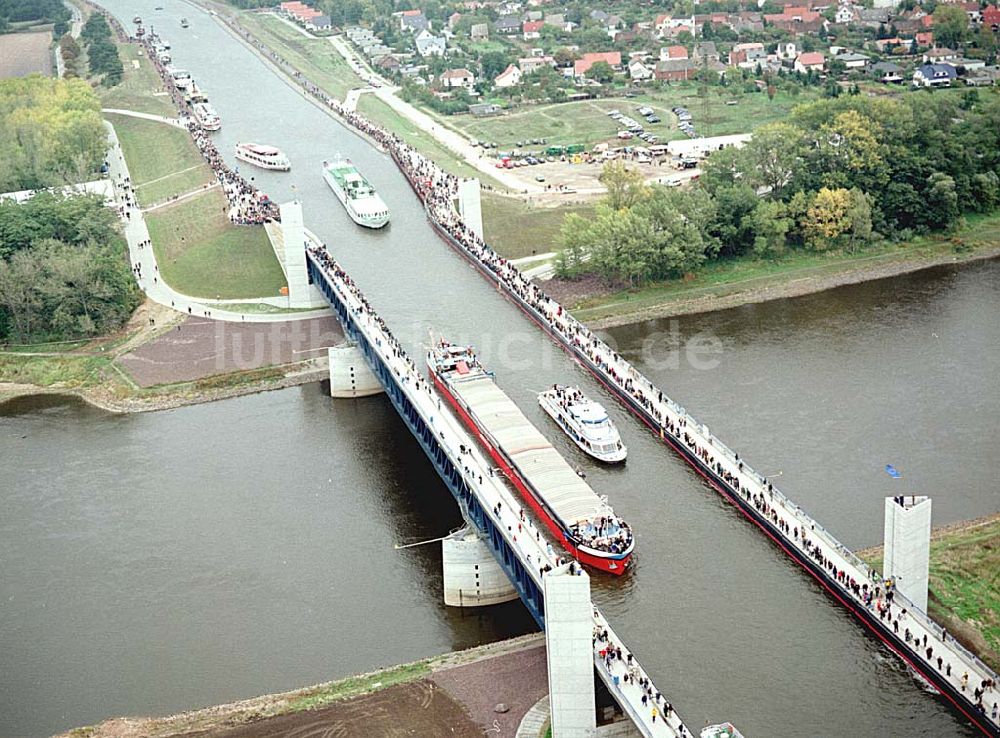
163	160
136	92
22	54
200	253
517	229
316	58
587	122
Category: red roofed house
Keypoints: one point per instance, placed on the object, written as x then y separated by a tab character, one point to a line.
532	29
673	52
991	17
810	60
580	66
925	38
797	19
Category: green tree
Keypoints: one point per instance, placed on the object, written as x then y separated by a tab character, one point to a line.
942	201
602	72
626	187
771	225
951	25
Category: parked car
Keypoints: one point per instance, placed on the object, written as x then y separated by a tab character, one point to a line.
645	110
625	135
652	119
539	178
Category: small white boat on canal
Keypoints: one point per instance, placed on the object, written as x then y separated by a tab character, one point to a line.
265	157
586	422
355	193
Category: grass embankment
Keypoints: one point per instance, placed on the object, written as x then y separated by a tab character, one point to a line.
728	283
200	253
517	229
139	86
965	584
163	160
314	57
377	110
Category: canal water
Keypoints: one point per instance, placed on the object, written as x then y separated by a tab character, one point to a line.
160	562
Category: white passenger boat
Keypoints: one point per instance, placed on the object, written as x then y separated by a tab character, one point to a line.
182	79
722	730
265	157
206	116
358	197
584	421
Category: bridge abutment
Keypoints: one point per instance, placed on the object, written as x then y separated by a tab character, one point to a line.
349	373
569	630
908	546
288	239
472	576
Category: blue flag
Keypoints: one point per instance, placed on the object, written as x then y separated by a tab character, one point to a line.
892	471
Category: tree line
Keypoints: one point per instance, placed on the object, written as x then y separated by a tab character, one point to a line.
63	269
838	174
35	11
102	53
51	133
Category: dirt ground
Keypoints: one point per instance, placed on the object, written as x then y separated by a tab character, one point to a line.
418	708
195	348
22	54
563	180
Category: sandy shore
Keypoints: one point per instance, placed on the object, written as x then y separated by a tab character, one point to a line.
775	289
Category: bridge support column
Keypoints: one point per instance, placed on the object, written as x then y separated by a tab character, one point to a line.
470	206
908	546
472	576
569	625
288	239
349	373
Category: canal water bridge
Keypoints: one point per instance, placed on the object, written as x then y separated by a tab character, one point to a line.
523	551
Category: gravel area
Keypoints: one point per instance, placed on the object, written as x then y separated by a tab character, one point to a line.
198	348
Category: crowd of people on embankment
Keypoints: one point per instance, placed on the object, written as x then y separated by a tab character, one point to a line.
438	189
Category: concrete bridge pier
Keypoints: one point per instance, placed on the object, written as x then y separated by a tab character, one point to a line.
472	576
470	206
908	546
349	373
569	630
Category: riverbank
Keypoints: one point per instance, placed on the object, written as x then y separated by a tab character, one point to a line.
731	284
964	582
429	697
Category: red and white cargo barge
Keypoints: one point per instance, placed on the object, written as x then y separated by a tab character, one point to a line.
581	520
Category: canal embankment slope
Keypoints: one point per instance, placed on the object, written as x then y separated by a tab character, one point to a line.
456	694
964	582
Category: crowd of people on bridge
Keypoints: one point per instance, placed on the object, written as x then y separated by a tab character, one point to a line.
438	191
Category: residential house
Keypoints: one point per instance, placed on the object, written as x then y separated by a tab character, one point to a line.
582	65
747	22
429	45
886	45
851	60
747	56
507	26
985	77
973	11
638	71
924	39
613	24
460	77
673	52
991	17
533	15
666	26
787	51
887	72
674	70
598	15
530	64
532	29
810	60
319	23
479	31
846	13
413	21
510	77
453	20
874	17
386	63
706	50
939	54
796	19
934	75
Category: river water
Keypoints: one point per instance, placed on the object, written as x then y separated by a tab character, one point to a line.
160	562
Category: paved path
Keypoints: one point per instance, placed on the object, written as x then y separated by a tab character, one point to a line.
175	122
456	142
136	233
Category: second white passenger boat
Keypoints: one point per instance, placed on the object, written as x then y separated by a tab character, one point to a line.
585	422
265	157
355	193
